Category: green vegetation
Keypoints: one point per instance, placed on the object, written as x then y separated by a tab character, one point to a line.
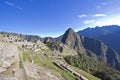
21	64
23	57
93	66
27	57
66	75
49	65
39	62
85	74
66	51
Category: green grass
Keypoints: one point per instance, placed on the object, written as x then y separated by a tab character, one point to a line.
23	57
66	51
27	57
85	74
66	75
21	64
49	65
39	51
39	62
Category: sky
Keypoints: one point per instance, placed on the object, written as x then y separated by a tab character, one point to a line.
54	17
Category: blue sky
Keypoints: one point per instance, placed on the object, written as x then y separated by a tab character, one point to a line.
53	17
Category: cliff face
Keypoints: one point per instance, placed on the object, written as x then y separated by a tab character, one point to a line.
103	53
95	46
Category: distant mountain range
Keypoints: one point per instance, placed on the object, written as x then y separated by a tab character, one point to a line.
110	35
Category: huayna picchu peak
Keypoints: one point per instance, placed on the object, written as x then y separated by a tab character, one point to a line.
73	40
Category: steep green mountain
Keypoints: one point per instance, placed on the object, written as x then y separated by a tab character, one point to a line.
73	40
107	34
92	47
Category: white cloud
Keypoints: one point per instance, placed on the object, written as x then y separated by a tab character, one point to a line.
13	5
99	15
82	16
88	21
110	21
9	3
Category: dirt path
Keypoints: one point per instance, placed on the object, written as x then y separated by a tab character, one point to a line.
20	72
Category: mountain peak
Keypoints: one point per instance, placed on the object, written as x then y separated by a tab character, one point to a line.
70	30
69	33
73	40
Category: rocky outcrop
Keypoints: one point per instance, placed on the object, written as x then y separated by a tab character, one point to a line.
48	40
7	53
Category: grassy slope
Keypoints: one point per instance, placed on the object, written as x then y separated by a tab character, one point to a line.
47	63
85	74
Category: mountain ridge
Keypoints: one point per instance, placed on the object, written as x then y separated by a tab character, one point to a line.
107	34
